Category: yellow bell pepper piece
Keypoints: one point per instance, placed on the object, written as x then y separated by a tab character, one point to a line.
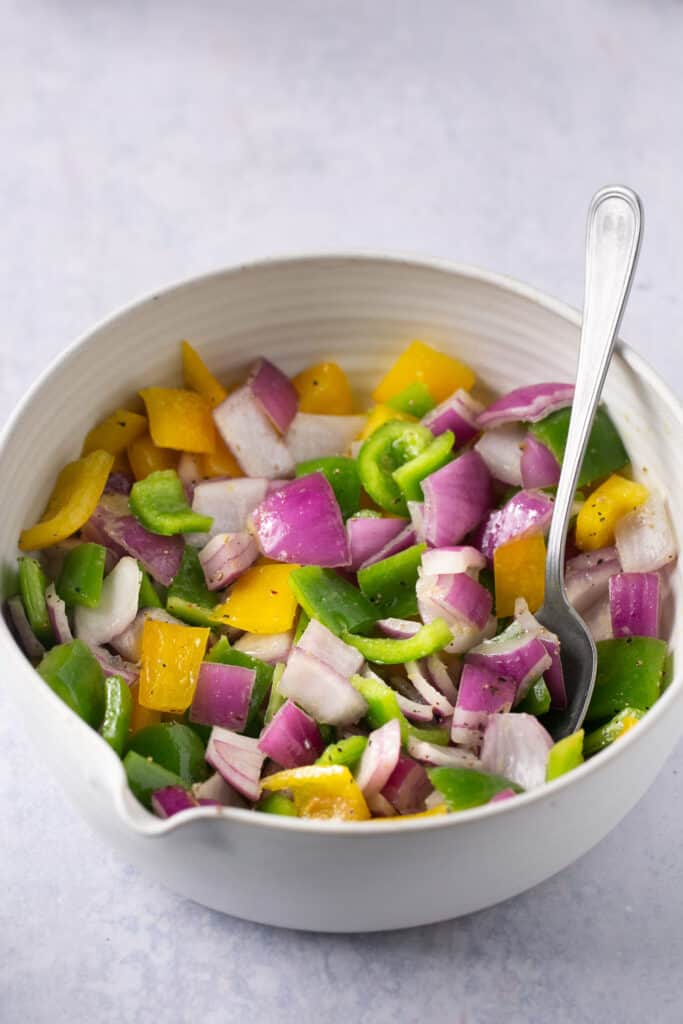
519	571
198	377
220	462
141	717
146	458
322	792
602	510
170	662
380	414
179	419
121	464
433	812
75	496
261	601
441	374
325	389
115	433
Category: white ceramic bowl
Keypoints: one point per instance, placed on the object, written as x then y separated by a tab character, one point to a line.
360	311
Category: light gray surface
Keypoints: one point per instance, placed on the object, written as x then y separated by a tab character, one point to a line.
142	142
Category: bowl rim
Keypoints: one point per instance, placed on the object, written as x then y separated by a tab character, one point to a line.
149	825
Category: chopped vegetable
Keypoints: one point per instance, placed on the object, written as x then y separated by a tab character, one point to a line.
75	496
415	399
605	453
368	535
171	659
429	639
118	710
145	457
159	503
537	701
199	378
145	777
302	522
188	598
613	730
179	419
32	586
388	448
117	607
565	755
82	575
379	415
341	474
222	695
457	413
325	596
519	571
292	738
602	510
261	600
629	675
390	584
441	374
410	475
238	759
324	388
456	499
531	404
222	653
463	788
173	746
274	392
77	679
115	433
250	435
322	792
634	603
276	803
347	751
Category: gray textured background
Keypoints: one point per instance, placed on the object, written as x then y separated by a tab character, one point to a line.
142	142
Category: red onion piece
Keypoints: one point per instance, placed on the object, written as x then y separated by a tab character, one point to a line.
160	556
119	483
433	754
21	627
405	539
302	523
401	629
441	707
380	758
408	786
274	392
367	536
645	538
538	465
467	728
514	653
172	800
248	432
530	403
129	643
312	436
321	690
217	790
117	608
456	498
446	561
269	647
481	689
321	642
439	675
462	598
501	450
292	738
415	711
56	610
113	665
459	413
228	502
227	556
586	576
416	511
238	759
634	599
222	695
525	513
554	674
516	746
504	794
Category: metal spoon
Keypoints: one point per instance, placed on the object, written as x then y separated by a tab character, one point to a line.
612	243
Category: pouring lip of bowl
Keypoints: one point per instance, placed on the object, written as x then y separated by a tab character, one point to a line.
153	827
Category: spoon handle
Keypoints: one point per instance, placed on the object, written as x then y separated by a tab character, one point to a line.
612	243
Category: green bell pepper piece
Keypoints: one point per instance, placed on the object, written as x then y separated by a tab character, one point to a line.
301	624
72	671
537	700
390	584
118	710
159	503
564	755
224	653
348	752
629	674
605	453
275	698
188	597
341	473
175	747
325	596
430	734
149	597
414	400
392	444
462	788
428	640
382	704
80	580
203	731
145	777
410	475
32	586
276	803
667	672
611	731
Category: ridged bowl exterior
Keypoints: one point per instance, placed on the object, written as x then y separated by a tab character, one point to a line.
360	311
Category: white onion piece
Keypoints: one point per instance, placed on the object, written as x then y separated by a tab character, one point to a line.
56	610
380	757
250	435
320	642
226	557
433	754
454	560
117	608
268	647
312	436
238	759
516	746
501	450
129	642
414	710
645	538
598	618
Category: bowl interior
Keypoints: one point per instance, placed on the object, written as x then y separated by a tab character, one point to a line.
360	312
